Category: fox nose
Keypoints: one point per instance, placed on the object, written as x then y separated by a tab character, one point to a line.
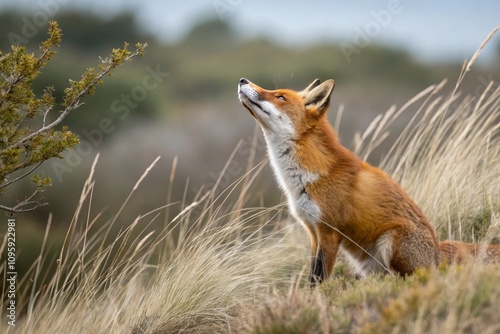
244	81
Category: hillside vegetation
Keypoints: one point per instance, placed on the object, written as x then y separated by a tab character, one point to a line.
190	112
221	265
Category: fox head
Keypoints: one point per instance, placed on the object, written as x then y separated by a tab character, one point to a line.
285	112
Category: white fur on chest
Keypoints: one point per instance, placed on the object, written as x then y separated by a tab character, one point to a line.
293	179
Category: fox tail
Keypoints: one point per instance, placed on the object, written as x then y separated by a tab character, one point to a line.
459	252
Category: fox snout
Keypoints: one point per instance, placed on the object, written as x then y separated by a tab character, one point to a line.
251	99
245	92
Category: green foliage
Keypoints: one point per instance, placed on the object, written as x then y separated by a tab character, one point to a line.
27	136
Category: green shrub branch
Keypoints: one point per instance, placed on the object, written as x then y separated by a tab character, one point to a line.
27	136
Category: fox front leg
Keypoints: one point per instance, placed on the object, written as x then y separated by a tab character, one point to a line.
324	256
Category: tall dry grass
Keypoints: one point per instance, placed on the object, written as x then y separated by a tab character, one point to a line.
221	267
195	275
447	156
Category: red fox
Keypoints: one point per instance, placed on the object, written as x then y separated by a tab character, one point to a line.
343	202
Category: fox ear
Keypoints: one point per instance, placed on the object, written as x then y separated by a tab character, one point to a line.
312	85
319	97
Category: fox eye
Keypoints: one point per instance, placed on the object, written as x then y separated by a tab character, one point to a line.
281	97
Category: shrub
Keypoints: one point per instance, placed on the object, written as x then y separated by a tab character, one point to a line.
30	133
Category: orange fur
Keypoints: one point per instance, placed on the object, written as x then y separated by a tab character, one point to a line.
357	208
459	252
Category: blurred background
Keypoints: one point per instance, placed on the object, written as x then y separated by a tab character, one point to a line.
179	99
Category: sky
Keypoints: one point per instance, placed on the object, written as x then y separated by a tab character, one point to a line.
432	30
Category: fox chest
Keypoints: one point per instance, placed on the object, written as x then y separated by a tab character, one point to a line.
294	181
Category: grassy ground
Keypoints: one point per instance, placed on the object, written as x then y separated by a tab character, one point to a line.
222	267
451	300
